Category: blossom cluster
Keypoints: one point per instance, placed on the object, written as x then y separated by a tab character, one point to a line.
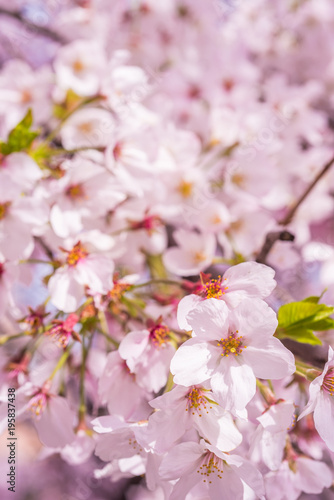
165	192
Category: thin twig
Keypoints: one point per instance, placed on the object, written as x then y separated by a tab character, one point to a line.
289	216
270	240
38	30
45	247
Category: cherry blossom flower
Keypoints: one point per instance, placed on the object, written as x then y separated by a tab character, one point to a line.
224	476
269	439
295	476
20	218
193	407
119	388
67	285
321	401
90	128
232	348
79	66
61	331
248	279
148	354
194	253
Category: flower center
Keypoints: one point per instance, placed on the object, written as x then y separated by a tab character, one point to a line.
232	345
38	403
4	209
75	191
85	127
77	253
135	446
61	331
185	188
26	96
199	257
238	180
117	291
197	402
213	289
211	465
328	383
78	66
159	335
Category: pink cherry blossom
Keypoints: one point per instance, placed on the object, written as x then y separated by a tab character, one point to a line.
67	285
194	254
321	401
221	473
148	354
231	349
248	279
186	408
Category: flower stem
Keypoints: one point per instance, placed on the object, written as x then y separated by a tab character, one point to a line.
62	360
157	282
267	394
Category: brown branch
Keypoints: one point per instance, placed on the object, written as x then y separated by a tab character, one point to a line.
289	216
38	30
45	247
270	240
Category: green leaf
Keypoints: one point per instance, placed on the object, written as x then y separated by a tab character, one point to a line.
21	137
298	320
302	314
324	324
314	298
70	102
42	155
302	335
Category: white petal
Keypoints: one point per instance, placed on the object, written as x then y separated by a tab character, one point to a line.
218	430
190	364
209	319
324	418
234	387
65	292
271	361
187	304
181	460
256	279
313	476
55	427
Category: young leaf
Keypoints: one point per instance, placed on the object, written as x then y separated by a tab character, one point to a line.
302	314
298	320
21	137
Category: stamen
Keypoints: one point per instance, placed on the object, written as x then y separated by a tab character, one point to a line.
37	404
232	345
328	383
214	289
85	127
199	257
75	191
4	209
78	66
197	402
117	291
159	335
77	253
211	465
185	188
